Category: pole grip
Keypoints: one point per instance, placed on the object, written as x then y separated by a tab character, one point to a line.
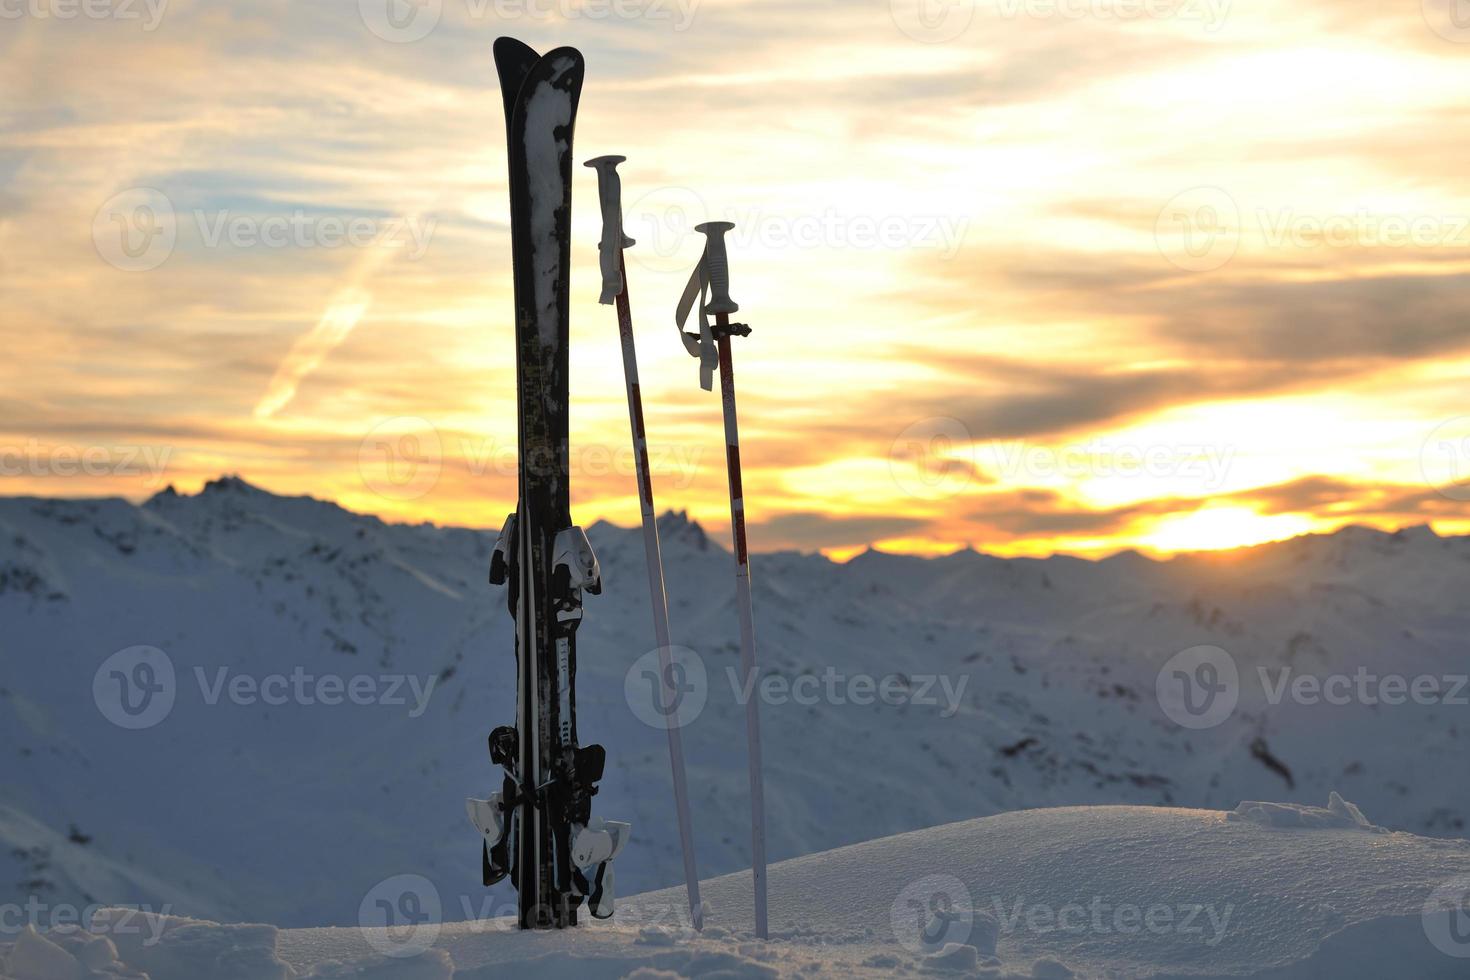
610	195
718	264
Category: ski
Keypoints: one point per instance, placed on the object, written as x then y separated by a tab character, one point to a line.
615	292
711	345
538	829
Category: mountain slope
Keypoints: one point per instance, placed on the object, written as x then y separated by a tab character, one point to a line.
1023	683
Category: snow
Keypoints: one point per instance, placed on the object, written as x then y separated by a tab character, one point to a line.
1136	892
1040	674
547	142
1338	813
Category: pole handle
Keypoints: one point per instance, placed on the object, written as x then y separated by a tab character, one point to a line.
718	264
610	196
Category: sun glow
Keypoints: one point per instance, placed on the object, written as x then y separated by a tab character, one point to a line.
1218	528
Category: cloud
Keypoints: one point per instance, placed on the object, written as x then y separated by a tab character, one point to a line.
811	531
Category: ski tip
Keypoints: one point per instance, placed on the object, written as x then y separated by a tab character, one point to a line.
578	62
506	46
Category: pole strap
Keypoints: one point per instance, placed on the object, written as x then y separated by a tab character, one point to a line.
701	345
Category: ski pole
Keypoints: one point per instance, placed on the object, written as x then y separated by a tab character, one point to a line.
714	274
615	291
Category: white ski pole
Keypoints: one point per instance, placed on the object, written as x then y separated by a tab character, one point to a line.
615	290
713	274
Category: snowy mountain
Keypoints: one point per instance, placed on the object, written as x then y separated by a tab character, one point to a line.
329	681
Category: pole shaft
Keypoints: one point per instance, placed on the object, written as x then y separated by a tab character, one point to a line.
659	598
747	625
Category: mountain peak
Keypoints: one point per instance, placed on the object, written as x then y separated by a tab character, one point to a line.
232	483
677	524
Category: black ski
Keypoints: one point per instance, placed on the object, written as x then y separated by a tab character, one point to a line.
539	828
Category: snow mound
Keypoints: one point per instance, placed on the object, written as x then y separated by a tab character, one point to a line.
167	947
1338	813
66	953
1074	892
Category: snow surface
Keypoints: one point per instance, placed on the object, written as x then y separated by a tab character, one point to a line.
291	814
1076	892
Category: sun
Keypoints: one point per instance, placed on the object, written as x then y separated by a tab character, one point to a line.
1217	528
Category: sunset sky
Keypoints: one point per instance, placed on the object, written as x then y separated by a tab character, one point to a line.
1026	275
